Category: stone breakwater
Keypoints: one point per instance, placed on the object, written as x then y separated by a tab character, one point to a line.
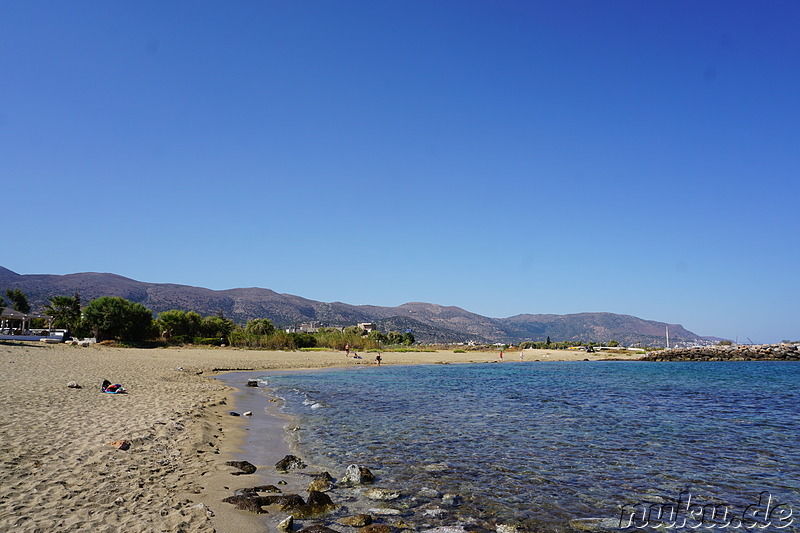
739	352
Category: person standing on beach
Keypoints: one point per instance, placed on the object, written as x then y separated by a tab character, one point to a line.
378	359
347	350
501	355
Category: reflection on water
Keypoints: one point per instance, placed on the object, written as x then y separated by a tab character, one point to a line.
539	444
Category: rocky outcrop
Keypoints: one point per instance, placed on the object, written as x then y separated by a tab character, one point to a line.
736	352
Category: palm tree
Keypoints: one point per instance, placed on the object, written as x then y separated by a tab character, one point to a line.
65	310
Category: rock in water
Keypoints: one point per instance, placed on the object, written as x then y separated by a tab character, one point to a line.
319	499
287	524
383	495
358	474
252	383
290	462
359	520
321	482
318	529
376	528
596	524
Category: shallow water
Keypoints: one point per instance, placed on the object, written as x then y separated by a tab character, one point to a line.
541	444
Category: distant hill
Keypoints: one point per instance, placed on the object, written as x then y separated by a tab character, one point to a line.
428	322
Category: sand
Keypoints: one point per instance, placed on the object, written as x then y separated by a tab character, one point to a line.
58	472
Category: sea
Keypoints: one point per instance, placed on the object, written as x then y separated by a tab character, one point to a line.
562	446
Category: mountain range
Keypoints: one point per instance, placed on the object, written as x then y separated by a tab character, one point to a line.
430	323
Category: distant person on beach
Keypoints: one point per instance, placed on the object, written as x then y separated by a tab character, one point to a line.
521	352
378	359
501	355
347	350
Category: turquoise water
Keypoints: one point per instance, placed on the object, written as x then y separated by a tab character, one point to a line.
542	444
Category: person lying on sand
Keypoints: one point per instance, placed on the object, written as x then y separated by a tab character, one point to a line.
112	389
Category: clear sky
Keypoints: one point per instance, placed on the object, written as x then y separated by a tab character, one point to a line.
634	157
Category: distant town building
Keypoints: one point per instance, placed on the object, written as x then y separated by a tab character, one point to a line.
367	326
305	327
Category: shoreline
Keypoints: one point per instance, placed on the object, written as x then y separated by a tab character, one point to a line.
60	474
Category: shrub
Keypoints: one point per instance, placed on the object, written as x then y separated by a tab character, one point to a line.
209	341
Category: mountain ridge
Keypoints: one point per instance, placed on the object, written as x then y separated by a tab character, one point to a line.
430	322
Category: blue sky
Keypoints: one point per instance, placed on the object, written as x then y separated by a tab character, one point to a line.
504	157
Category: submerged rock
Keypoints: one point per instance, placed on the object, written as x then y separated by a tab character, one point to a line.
252	383
376	528
359	520
383	495
436	467
426	492
596	524
451	499
290	462
318	529
385	511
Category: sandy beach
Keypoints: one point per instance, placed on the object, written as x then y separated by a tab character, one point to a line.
59	472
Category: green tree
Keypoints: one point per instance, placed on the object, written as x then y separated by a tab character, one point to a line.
613	344
394	337
66	312
216	326
547	342
112	317
18	300
259	326
177	323
303	340
376	336
408	338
